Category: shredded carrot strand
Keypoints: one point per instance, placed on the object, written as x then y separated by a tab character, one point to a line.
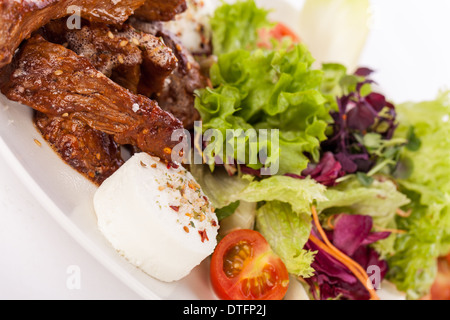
330	222
322	246
397	231
330	245
403	214
353	266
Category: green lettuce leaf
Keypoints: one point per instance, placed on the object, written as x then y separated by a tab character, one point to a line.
413	267
287	232
235	26
219	186
331	87
431	124
227	211
223	190
283	214
299	193
380	200
284	217
269	90
337	82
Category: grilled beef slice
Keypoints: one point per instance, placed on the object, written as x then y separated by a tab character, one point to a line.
91	152
136	60
140	61
20	18
118	54
56	81
178	93
161	10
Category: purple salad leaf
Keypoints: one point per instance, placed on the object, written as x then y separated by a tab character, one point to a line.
363	72
326	172
352	235
359	113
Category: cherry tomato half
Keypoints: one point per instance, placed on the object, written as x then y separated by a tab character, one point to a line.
244	267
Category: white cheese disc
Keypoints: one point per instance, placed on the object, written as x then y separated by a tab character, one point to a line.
157	217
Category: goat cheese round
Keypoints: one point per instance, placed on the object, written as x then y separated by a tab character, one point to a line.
157	217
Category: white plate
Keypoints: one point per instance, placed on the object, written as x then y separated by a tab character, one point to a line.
67	196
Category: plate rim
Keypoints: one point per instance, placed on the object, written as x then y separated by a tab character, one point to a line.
67	225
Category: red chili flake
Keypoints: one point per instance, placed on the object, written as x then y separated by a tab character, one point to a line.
214	223
175	208
204	235
172	165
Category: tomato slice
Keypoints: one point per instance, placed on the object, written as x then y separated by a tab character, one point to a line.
281	31
244	267
441	287
278	32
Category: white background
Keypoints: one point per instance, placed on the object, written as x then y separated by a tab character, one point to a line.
410	49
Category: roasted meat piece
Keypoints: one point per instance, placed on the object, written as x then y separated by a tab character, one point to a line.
56	81
20	18
121	53
118	53
139	61
91	152
161	10
178	93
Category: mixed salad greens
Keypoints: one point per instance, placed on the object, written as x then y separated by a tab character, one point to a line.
375	173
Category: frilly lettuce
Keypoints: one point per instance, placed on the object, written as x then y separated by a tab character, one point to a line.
236	26
413	267
380	200
269	90
300	194
223	190
431	123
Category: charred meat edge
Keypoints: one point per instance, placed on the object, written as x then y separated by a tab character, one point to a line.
20	18
56	81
